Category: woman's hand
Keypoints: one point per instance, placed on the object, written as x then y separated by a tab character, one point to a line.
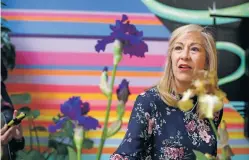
6	134
17	130
13	132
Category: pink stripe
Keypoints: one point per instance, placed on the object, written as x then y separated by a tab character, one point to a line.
92	102
89	59
81	15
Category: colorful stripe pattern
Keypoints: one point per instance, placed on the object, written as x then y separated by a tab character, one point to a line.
56	59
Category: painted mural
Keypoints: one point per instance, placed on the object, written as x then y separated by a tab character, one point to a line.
56	59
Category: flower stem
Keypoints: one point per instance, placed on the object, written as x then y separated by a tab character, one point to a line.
78	154
218	137
30	132
36	135
104	132
214	128
79	145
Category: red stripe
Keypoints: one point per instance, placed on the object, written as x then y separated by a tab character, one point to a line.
51	58
63	88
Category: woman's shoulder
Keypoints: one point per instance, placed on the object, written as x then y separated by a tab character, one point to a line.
151	94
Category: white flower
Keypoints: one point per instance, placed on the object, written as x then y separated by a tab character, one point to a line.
104	87
78	136
186	103
118	49
209	104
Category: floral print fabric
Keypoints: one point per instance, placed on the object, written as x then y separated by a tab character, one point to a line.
157	131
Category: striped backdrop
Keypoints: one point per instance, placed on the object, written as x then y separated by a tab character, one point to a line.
56	60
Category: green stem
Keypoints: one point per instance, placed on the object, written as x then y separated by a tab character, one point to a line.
214	128
79	145
218	137
36	135
103	136
30	132
78	154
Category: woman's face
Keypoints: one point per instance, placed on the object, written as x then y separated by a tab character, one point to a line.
188	55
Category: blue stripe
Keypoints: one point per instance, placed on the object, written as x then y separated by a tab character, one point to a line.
107	156
239	142
79	29
44	141
239	107
237	103
94	68
116	142
135	6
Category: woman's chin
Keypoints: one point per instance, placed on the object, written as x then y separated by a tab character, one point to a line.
185	78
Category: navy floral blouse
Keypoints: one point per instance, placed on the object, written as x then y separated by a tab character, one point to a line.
157	131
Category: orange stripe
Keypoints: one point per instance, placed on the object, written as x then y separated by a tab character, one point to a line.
110	150
78	19
75	72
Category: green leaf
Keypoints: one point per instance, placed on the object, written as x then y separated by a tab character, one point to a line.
59	134
3	4
71	153
55	120
68	128
34	154
3	28
50	156
35	113
114	128
25	110
60	147
21	155
23	98
199	155
40	128
88	143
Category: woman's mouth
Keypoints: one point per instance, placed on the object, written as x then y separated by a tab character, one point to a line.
184	67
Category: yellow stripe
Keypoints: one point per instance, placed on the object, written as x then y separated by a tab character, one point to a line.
65	96
121	134
114	118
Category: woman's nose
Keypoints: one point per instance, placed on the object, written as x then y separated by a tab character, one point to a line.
185	54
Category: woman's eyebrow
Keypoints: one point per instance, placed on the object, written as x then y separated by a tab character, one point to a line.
179	43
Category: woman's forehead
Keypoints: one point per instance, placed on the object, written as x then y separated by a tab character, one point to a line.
190	37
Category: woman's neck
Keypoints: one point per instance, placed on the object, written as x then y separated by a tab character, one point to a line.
182	86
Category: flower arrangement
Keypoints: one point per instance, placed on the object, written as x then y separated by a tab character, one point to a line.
127	40
72	125
210	100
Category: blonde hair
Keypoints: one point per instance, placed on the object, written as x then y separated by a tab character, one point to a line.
166	85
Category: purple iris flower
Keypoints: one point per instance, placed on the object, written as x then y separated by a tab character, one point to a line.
129	36
75	109
58	125
123	91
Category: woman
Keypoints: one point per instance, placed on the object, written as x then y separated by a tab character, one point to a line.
157	129
12	139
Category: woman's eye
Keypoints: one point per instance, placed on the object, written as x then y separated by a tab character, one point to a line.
195	49
178	48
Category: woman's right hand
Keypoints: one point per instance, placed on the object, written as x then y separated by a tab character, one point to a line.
6	134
